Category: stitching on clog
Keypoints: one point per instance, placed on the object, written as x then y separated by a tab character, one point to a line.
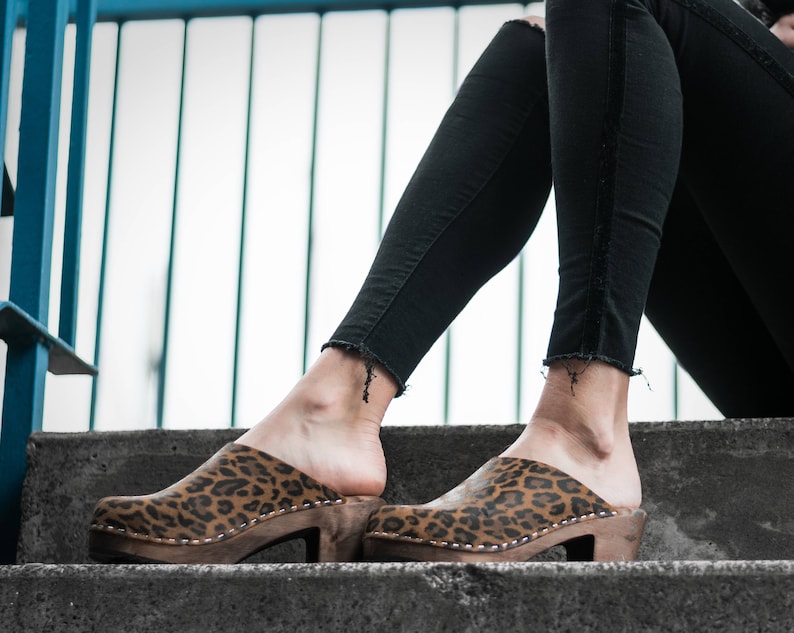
502	546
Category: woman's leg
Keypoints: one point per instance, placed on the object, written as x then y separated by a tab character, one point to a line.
615	138
324	428
738	83
615	108
736	165
702	311
617	73
616	159
616	129
472	203
621	76
697	302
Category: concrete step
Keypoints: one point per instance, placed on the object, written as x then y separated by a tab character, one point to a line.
714	490
703	596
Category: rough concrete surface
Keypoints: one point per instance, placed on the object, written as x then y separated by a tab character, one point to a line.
713	490
722	597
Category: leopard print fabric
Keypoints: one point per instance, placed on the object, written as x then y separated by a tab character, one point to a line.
236	488
506	503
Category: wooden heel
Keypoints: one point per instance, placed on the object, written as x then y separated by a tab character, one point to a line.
618	539
339	538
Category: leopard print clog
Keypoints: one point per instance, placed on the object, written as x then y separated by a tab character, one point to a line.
511	509
239	502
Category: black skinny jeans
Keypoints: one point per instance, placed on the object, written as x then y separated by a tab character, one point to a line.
668	126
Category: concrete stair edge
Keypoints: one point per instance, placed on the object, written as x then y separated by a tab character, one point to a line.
644	596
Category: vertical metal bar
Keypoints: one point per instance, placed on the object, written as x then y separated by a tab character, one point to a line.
70	276
447	373
521	298
243	225
384	126
312	170
26	364
105	230
161	376
448	335
675	390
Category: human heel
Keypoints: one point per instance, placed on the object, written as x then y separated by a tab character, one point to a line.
339	538
237	503
511	509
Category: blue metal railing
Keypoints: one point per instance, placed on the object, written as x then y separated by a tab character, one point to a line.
32	349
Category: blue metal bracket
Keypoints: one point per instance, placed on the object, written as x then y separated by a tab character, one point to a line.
16	326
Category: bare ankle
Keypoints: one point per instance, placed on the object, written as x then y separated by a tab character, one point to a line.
346	379
586	401
581	427
325	428
592	442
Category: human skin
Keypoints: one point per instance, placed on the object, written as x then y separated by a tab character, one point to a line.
784	30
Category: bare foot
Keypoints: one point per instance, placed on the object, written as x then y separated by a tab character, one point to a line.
324	428
581	427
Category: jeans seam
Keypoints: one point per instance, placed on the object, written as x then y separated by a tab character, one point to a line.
592	327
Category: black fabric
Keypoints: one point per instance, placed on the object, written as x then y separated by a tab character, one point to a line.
649	106
469	208
676	74
704	314
769	11
780	6
7	208
615	126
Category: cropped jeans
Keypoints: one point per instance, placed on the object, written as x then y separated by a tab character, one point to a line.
667	127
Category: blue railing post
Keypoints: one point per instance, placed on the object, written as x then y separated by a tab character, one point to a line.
27	359
85	18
